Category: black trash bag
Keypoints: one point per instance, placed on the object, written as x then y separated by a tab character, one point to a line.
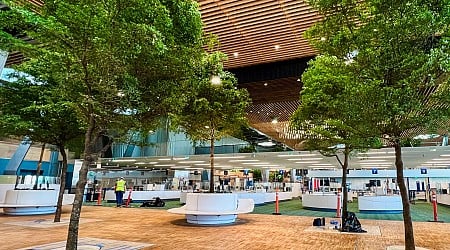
155	202
352	224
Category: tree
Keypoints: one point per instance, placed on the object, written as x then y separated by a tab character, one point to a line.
328	119
98	49
401	48
31	107
213	109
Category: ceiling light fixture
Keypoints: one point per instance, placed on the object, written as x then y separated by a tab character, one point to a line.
308	159
301	155
229	157
124	160
215	80
375	157
243	160
191	162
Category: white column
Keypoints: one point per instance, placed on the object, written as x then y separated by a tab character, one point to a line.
265	175
3	57
293	175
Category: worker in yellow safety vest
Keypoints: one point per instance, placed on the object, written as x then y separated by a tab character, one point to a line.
119	189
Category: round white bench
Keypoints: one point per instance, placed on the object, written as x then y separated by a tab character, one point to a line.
213	208
30	202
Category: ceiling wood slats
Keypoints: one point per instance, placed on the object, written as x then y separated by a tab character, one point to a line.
260	24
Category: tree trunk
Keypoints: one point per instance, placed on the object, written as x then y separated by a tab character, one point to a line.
39	166
344	185
62	184
72	235
211	160
407	222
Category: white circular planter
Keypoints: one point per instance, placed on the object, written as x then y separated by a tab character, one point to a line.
213	208
30	202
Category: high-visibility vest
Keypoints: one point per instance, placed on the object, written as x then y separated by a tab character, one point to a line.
120	185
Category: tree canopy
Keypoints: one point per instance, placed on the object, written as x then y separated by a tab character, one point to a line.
213	109
398	52
120	64
329	118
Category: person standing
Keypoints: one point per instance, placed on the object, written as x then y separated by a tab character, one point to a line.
119	189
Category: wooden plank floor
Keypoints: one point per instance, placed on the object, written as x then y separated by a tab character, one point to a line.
252	231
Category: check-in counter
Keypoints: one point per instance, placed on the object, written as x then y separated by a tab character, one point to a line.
259	198
443	199
380	204
321	201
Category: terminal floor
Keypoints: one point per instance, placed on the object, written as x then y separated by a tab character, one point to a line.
420	211
252	231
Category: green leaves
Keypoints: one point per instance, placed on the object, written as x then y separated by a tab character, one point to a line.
213	111
401	61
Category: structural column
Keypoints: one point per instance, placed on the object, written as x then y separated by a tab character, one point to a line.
3	57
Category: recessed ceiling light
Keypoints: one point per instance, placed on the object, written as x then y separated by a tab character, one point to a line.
300	155
309	159
164	165
124	160
375	157
376	163
266	165
180	158
145	163
372	161
235	54
243	160
229	157
179	167
277	47
377	153
265	84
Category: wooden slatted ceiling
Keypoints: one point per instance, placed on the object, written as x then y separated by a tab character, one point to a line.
252	29
277	90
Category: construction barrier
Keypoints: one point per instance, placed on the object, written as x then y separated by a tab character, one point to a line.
338	206
129	198
99	197
434	201
277	209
